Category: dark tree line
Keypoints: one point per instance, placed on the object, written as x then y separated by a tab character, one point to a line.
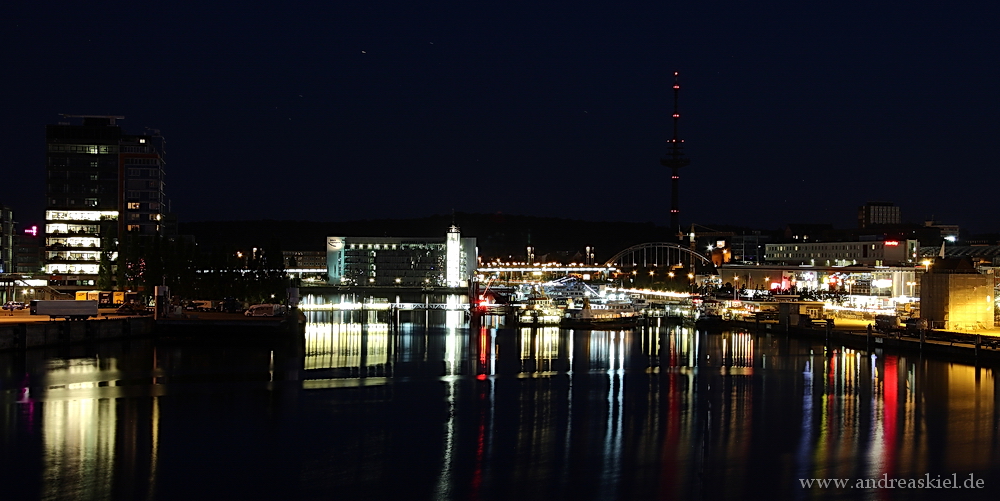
253	275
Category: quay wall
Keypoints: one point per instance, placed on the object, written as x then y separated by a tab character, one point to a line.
950	345
15	336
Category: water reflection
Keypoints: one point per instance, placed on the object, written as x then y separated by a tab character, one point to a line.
433	407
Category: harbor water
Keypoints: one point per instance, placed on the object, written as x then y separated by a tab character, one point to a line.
442	406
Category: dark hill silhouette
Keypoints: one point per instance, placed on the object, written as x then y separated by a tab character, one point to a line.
498	235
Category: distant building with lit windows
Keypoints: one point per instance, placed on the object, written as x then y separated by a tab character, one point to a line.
865	253
100	183
416	261
7	240
29	249
878	213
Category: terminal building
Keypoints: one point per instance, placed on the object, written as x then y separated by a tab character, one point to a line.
448	261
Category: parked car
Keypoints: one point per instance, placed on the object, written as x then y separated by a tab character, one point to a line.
133	308
229	305
13	305
266	310
199	305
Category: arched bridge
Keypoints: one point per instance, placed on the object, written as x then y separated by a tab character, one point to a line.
656	254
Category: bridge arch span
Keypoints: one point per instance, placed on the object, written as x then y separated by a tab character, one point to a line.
657	254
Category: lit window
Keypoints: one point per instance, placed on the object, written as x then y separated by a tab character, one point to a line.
133	205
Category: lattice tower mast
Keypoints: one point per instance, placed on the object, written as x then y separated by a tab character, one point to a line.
675	162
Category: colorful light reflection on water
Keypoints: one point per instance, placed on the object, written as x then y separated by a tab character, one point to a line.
431	408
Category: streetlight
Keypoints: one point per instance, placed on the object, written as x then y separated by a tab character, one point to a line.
911	284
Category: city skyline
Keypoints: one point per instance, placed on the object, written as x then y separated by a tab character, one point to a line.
789	114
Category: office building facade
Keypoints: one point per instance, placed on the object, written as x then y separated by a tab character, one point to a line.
100	184
866	253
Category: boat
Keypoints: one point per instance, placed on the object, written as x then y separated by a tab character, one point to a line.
612	314
708	321
539	309
709	314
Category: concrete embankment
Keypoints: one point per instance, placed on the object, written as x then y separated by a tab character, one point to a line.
206	326
950	345
24	335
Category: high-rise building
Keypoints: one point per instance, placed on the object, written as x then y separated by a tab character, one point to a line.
7	240
877	213
29	250
101	184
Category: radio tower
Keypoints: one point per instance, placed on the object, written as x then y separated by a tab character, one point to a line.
675	162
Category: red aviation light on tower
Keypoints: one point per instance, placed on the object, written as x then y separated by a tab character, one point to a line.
676	159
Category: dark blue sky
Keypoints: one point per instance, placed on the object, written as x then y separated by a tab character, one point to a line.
791	111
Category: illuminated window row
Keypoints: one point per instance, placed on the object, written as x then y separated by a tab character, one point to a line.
73	256
93	149
66	229
90	215
73	242
82	269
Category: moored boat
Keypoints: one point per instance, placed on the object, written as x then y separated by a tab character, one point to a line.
613	314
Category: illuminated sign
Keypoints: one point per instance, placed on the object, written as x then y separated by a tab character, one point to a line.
334	243
891	243
33	231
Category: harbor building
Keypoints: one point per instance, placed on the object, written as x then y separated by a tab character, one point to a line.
865	253
447	261
955	296
100	184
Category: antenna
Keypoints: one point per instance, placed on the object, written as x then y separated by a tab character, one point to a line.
675	161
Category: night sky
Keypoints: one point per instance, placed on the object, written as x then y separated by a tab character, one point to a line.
331	111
